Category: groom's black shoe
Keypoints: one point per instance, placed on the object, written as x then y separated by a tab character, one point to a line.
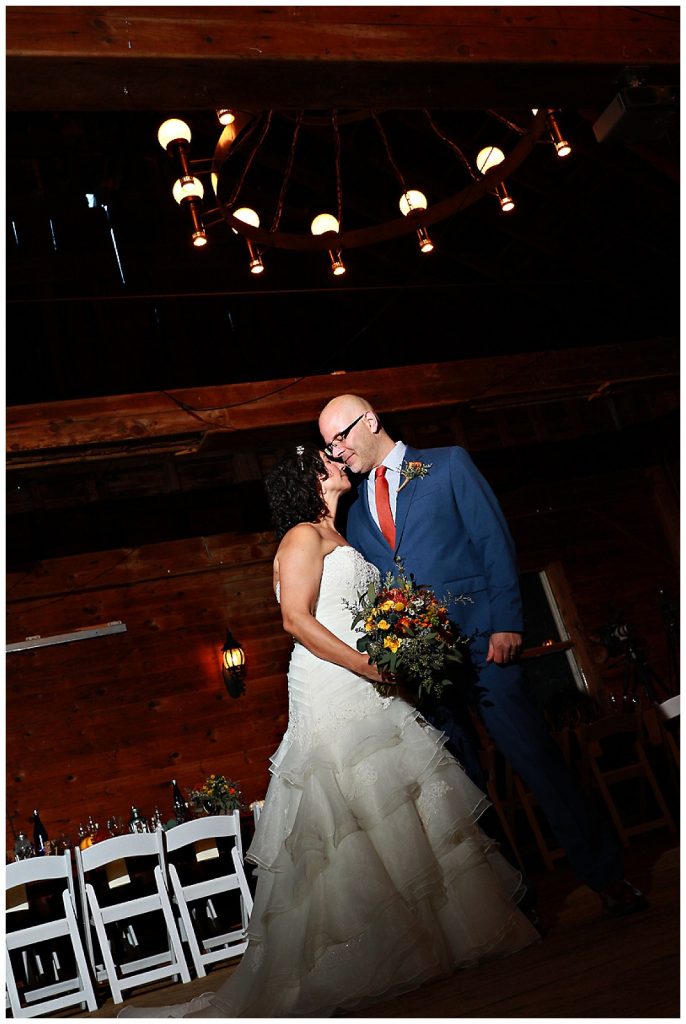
622	898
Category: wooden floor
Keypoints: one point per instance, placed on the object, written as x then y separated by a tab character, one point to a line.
586	965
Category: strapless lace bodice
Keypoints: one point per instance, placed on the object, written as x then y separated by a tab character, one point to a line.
345	574
321	694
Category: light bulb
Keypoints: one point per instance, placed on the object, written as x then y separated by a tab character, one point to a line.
173	130
248	216
199	238
425	243
225	116
187	188
412	200
323	223
506	201
562	147
255	263
489	157
338	267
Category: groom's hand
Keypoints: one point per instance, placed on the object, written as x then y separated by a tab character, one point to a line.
503	648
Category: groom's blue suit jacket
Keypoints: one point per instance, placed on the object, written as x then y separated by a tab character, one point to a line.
450	534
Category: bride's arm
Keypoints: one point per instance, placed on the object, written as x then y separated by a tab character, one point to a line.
301	560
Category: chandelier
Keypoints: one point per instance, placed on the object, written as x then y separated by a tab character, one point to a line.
284	179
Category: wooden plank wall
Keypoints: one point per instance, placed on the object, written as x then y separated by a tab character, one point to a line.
102	723
97	725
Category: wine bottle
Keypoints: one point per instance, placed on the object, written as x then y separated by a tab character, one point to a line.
180	805
137	822
40	836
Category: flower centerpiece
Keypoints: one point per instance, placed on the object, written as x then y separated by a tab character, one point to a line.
217	795
407	633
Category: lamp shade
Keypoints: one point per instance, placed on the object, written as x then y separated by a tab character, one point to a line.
323	223
489	157
173	130
187	189
247	215
233	657
412	200
233	663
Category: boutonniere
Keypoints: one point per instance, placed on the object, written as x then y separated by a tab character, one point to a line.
413	471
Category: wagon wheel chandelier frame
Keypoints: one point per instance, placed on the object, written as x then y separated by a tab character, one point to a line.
489	174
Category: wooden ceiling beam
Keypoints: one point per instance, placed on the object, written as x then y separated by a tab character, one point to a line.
176	58
181	421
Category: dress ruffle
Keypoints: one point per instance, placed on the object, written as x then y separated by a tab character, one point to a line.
384	879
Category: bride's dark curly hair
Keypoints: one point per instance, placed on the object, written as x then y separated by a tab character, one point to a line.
293	488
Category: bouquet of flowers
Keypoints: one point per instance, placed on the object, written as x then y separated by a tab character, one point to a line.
217	795
407	633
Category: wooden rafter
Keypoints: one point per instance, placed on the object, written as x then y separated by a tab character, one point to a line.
189	57
182	419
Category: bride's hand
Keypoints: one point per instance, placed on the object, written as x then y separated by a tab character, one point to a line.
372	672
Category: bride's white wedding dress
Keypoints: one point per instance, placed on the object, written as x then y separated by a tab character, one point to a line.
373	876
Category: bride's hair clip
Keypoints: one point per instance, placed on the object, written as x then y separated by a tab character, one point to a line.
299	450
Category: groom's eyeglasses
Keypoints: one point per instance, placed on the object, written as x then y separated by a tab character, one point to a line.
341	436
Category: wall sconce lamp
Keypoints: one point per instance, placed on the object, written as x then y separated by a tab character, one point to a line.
249	216
486	160
323	224
189	196
233	665
411	202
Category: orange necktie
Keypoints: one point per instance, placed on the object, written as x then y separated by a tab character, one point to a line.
383	506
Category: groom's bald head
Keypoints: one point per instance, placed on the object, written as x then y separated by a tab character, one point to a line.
351	427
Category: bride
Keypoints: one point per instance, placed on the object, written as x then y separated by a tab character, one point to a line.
373	876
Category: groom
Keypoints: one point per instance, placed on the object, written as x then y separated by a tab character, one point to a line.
435	512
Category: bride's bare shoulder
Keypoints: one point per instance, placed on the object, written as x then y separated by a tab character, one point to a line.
303	539
303	535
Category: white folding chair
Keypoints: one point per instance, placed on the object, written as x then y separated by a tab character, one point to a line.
256	808
25	938
119	887
204	843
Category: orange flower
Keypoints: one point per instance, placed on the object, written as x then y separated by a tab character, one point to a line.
392	642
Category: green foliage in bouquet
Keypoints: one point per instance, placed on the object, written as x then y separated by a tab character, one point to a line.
407	632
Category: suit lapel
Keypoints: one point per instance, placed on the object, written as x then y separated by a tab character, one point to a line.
405	496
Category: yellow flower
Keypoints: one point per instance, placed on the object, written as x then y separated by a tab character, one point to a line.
382	624
386	606
392	642
369	625
398	606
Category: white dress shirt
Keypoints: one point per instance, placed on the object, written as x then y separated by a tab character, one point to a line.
392	462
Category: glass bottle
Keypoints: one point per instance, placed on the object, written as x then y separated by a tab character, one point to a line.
156	823
180	805
137	822
40	836
22	847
